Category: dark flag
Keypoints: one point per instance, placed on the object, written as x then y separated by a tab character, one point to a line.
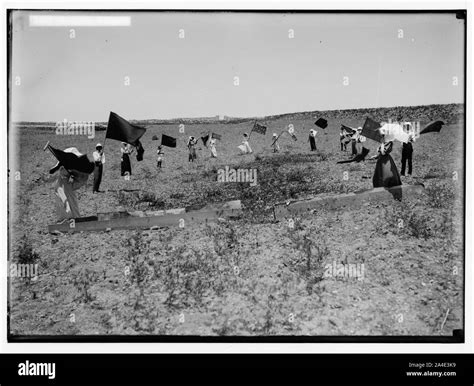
168	141
348	130
259	128
371	130
432	127
322	123
205	139
72	161
122	130
216	136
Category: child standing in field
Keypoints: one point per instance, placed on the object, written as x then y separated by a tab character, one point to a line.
159	158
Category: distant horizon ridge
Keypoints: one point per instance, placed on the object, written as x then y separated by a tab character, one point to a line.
272	116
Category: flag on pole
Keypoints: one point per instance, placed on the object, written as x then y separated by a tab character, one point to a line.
260	129
347	130
216	136
120	129
168	141
276	139
71	159
432	127
322	123
371	130
205	139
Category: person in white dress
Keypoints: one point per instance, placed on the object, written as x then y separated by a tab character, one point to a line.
212	148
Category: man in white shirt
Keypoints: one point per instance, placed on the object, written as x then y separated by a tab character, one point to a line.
99	160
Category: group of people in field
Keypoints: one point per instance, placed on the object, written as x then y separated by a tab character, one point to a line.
385	175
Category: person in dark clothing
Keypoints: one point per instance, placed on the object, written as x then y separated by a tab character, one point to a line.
312	139
386	173
192	142
125	165
344	139
407	154
99	160
353	146
160	156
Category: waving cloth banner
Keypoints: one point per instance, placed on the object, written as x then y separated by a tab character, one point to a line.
371	130
168	141
71	159
260	129
120	129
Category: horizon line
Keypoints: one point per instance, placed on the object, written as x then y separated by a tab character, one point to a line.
265	116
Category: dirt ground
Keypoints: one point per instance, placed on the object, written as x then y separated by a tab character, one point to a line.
253	275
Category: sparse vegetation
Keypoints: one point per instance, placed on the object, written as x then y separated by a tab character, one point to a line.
26	254
254	275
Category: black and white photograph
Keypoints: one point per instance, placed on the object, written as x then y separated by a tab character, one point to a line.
210	175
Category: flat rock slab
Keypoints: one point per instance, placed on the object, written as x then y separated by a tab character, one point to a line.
348	200
147	219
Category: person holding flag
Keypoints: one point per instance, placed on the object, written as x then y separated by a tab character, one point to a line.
120	129
209	141
291	131
73	170
159	158
245	147
212	147
343	139
99	160
359	140
192	142
125	165
275	145
386	173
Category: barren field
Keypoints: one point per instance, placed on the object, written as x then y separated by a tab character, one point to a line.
252	276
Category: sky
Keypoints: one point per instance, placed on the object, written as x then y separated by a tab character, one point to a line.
284	62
